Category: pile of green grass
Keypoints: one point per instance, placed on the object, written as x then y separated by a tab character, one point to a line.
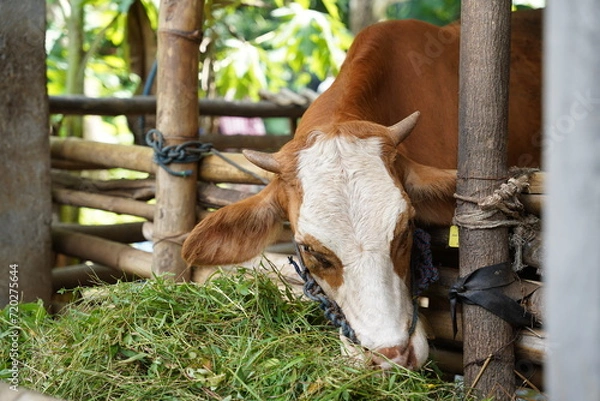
237	338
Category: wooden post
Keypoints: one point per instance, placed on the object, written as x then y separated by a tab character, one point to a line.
484	73
25	204
179	31
572	225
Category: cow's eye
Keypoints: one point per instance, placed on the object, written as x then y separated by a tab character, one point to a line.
315	259
322	260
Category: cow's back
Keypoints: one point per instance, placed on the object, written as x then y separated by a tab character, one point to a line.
397	67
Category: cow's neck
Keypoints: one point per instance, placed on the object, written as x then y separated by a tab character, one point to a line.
337	106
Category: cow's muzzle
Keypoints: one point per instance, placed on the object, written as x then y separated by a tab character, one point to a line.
386	358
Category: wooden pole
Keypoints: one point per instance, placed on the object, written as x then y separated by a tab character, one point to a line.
25	204
179	32
483	115
572	227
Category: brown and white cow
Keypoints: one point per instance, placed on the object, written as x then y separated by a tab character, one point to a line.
352	183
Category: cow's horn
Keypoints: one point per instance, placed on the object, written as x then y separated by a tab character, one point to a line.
266	161
402	129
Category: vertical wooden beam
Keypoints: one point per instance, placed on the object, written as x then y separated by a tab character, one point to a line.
572	214
179	31
25	202
483	117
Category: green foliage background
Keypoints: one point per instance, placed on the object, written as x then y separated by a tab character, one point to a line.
250	45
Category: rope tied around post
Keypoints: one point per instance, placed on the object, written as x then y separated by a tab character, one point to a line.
504	209
187	152
504	200
483	286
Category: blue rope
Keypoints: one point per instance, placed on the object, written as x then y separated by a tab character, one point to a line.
187	152
331	309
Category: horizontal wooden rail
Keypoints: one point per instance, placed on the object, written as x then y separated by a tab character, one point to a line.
85	275
109	253
137	105
266	143
139	158
125	233
108	203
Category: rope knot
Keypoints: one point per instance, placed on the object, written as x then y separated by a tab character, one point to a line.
187	152
504	209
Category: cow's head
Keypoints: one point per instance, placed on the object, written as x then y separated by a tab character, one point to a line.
351	199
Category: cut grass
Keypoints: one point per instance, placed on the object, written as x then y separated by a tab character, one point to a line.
237	337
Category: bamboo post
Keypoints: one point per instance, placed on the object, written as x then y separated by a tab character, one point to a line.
572	228
179	31
484	72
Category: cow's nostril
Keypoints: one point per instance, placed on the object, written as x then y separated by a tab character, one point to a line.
386	358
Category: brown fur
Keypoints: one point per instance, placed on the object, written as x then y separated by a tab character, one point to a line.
393	69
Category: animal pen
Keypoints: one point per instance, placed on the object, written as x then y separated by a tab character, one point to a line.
187	196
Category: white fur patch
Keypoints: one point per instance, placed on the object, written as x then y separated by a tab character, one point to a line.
351	205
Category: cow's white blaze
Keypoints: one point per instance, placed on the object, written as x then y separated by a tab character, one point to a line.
351	205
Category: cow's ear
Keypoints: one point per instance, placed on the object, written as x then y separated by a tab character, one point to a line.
237	232
431	191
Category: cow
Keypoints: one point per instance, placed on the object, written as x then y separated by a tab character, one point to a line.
353	184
